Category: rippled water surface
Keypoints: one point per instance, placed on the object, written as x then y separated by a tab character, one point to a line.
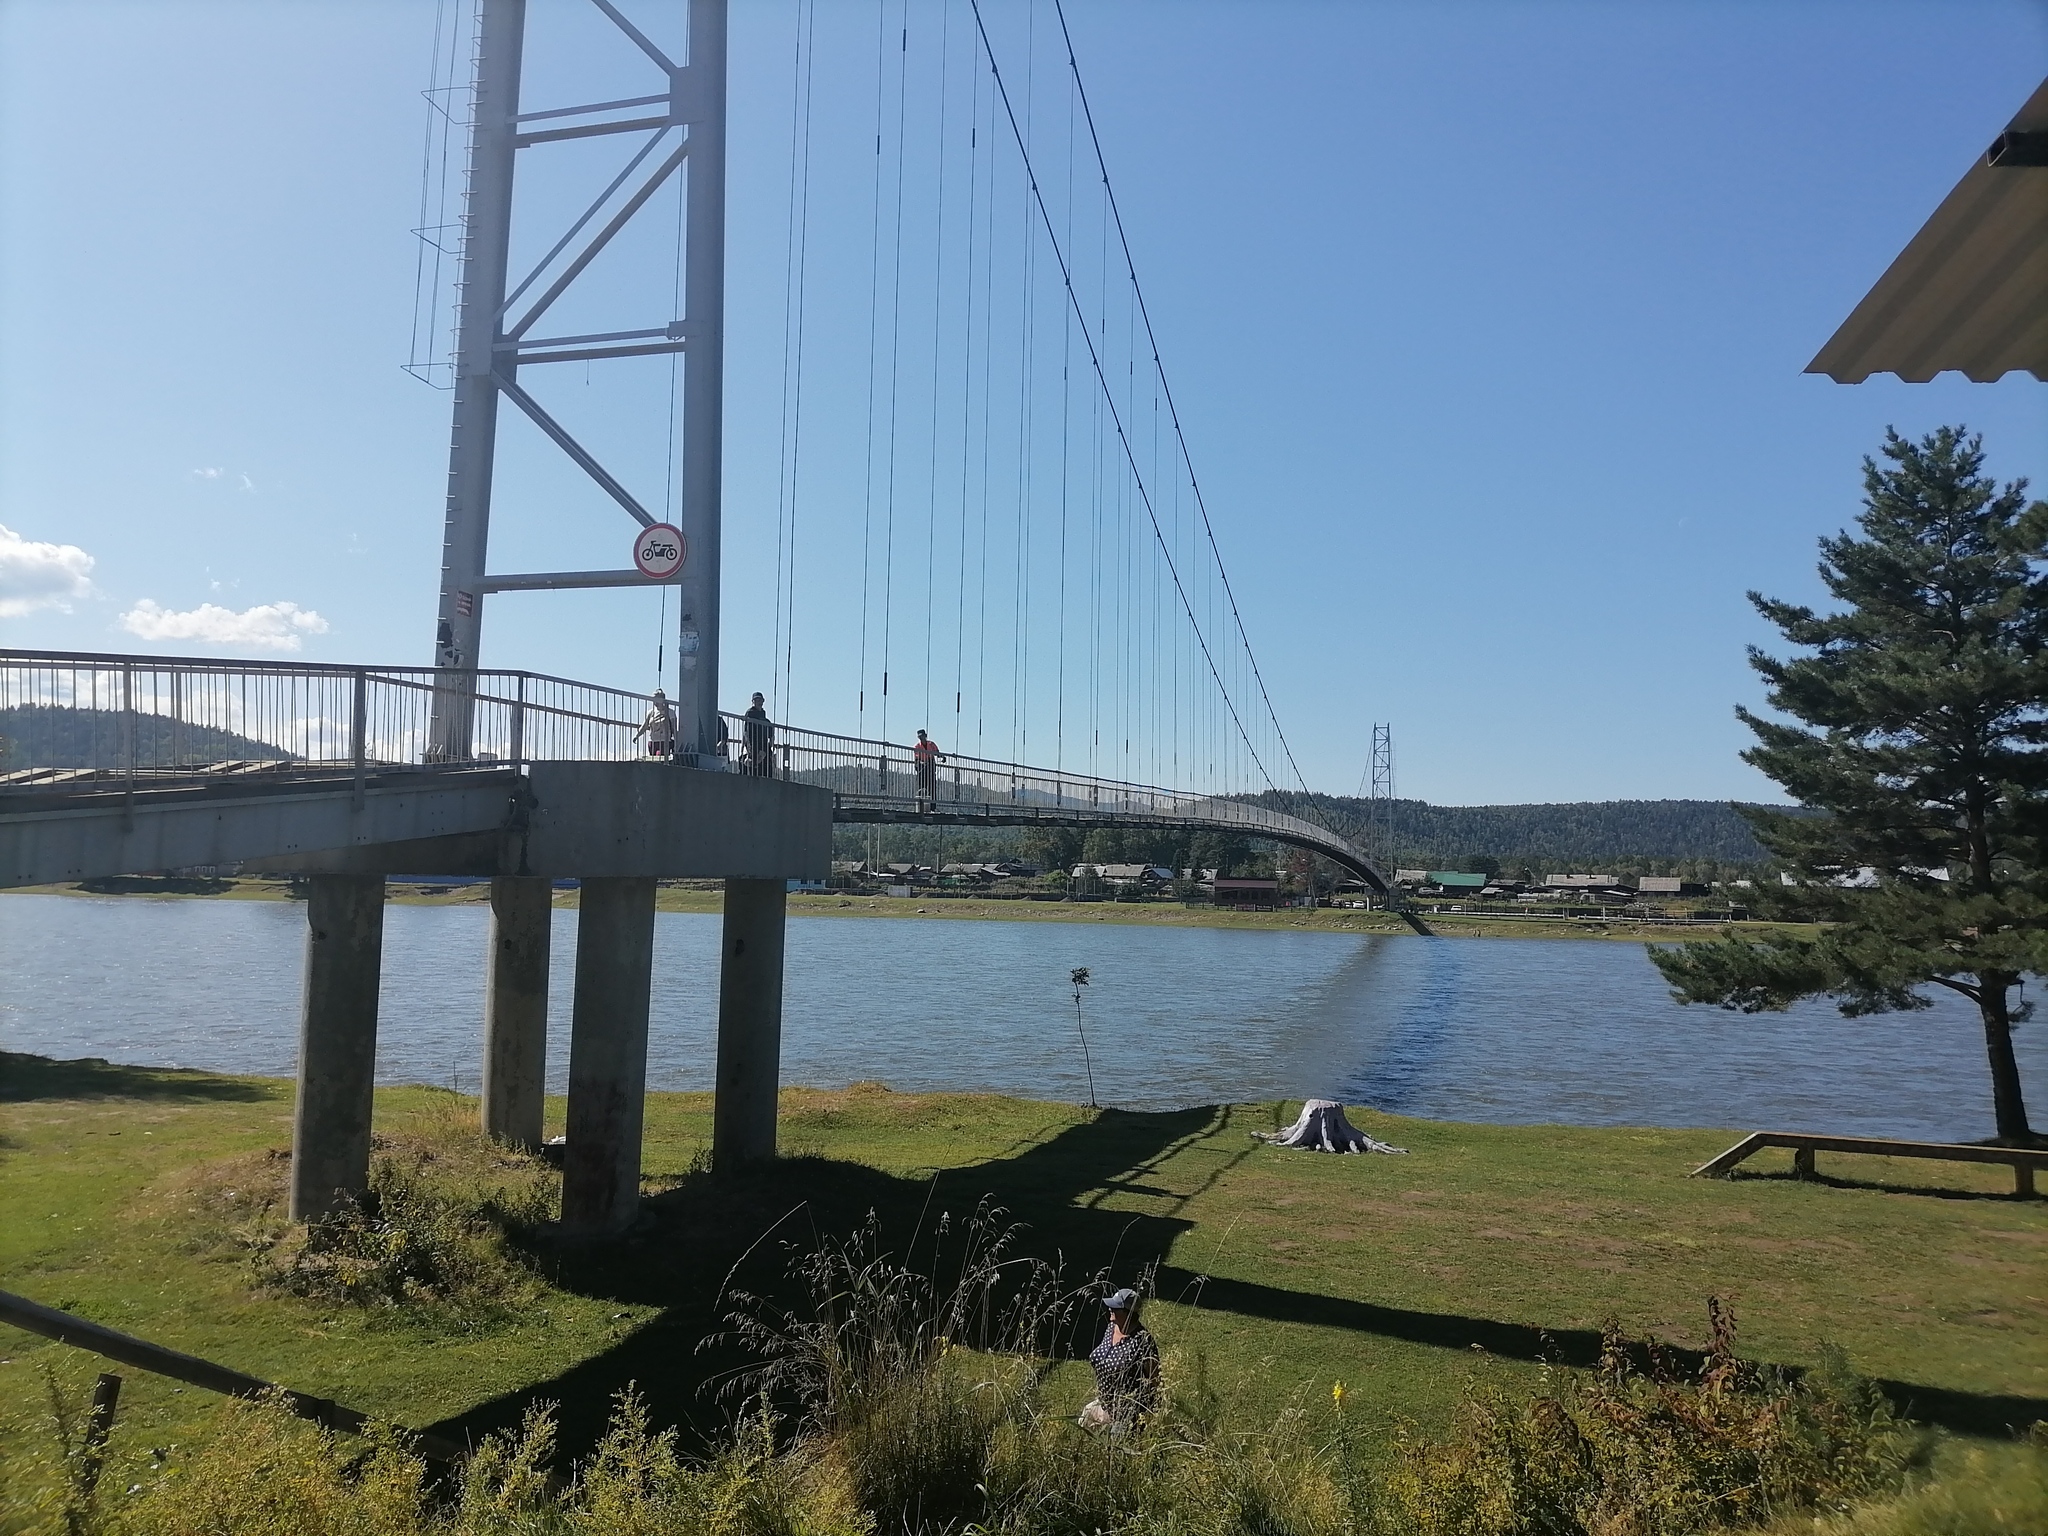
1522	1031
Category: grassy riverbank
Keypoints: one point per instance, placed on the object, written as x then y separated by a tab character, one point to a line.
138	1197
706	897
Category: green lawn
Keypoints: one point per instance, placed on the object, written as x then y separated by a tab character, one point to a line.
1487	1248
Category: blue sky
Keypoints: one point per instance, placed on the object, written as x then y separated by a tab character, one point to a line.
1486	323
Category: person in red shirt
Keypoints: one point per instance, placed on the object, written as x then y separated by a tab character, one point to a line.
926	755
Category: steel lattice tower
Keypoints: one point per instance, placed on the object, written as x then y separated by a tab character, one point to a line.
682	130
1379	809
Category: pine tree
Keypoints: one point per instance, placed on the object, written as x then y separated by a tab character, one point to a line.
1923	740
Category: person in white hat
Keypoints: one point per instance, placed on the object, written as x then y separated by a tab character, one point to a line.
1126	1366
659	727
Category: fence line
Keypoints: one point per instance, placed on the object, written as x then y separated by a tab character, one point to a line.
68	717
887	777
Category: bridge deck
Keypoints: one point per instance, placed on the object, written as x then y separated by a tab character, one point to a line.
172	740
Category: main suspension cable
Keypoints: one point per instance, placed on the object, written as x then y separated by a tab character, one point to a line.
796	252
1037	198
895	369
1166	389
867	516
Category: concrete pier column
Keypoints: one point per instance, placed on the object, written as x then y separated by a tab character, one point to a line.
516	1009
749	1023
608	1056
337	1042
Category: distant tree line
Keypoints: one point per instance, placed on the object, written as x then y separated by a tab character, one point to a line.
1047	847
58	736
1697	839
1703	840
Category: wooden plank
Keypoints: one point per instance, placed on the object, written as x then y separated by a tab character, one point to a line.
34	1317
1726	1162
2022	1160
1878	1146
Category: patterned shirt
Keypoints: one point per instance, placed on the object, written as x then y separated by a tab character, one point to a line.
1126	1373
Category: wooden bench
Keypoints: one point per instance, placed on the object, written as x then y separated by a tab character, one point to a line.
2022	1160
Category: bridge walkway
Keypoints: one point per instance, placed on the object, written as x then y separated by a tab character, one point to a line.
282	754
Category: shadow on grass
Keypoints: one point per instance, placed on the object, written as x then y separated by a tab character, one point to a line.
27	1078
1876	1186
710	1235
698	1241
1972	1413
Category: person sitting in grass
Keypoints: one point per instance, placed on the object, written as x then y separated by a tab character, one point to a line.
1126	1369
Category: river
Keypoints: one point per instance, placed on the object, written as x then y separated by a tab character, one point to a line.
1507	1030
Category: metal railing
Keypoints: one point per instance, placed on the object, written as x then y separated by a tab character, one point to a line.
71	718
885	778
88	720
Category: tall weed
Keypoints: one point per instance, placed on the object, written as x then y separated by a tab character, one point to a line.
448	1223
1640	1450
899	1382
262	1472
1974	1490
44	1484
930	1398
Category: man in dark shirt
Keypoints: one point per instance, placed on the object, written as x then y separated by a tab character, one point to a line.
757	741
1126	1366
926	755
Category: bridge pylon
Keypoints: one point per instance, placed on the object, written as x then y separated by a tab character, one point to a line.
682	125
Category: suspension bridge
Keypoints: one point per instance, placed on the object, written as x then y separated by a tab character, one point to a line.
1038	475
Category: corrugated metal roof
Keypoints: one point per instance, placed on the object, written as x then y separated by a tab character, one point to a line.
1969	292
1457	879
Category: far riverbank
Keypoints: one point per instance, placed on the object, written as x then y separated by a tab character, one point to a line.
705	896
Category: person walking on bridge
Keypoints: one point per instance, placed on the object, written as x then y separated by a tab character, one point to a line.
757	741
659	727
926	755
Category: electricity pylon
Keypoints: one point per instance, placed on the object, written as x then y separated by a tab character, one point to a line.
1379	808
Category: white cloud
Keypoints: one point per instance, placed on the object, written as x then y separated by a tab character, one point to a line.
206	474
35	575
266	627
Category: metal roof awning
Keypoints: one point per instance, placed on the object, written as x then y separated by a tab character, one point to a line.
1970	291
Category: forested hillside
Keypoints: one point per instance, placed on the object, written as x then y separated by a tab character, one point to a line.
1700	839
1546	837
40	736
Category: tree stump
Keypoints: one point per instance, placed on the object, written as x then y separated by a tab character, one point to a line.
1322	1127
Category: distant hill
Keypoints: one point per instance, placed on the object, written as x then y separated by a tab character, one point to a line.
56	736
1699	839
1625	835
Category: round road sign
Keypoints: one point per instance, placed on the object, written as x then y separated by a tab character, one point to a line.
659	552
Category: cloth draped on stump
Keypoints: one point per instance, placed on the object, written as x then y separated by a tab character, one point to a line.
1322	1127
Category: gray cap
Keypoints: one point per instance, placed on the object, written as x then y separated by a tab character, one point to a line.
1121	1301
